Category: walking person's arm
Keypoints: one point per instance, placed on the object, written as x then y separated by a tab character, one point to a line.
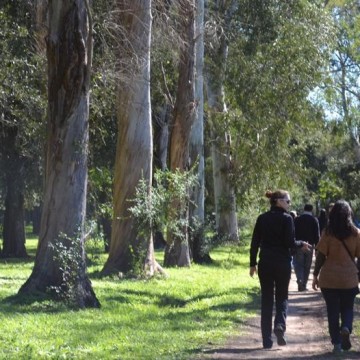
254	248
319	262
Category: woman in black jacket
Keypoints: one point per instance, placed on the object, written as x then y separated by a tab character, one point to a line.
274	235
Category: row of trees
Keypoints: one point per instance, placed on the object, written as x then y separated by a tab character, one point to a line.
241	102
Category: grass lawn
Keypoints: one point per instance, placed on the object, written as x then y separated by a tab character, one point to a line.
161	318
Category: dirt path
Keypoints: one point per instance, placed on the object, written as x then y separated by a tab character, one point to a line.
307	334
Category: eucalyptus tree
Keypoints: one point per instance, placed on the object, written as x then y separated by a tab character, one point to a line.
21	121
129	249
219	19
102	124
60	257
196	146
339	97
343	92
177	250
277	54
332	159
172	98
164	58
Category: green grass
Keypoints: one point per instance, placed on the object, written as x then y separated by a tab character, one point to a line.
162	318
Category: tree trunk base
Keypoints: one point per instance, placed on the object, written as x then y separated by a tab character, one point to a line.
203	259
84	294
177	254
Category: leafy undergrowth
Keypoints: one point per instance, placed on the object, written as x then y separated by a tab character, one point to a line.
162	318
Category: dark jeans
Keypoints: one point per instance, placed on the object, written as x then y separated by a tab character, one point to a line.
273	276
339	304
302	263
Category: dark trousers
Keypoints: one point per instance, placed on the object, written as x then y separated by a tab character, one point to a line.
302	263
339	305
274	279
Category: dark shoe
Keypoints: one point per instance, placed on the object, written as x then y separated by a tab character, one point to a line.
337	349
345	338
268	345
301	287
279	332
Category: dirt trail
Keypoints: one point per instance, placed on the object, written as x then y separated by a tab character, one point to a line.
307	334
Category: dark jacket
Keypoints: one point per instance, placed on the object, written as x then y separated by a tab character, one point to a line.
274	234
307	228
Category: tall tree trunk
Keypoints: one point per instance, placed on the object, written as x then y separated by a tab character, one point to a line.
13	175
14	219
160	156
224	191
134	145
40	31
161	137
177	250
197	209
40	15
69	51
36	219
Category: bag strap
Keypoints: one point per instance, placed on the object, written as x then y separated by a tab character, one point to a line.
348	251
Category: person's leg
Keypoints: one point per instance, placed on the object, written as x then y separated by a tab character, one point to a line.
267	302
308	256
347	298
298	261
282	279
332	300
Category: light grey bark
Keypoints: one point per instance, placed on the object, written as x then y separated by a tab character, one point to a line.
224	191
134	145
197	211
69	46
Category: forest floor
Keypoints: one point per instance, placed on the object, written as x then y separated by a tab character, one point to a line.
307	333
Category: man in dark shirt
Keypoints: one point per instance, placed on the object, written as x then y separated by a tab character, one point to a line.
306	229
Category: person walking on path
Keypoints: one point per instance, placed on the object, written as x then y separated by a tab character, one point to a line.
322	220
336	273
274	235
307	229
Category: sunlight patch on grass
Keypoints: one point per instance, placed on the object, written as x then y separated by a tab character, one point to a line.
162	318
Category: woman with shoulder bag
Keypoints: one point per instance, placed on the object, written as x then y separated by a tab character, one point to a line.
336	273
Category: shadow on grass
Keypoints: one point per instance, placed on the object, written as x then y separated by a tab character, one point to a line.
23	260
168	301
34	303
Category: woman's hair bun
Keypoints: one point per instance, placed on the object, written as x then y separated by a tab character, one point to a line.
268	194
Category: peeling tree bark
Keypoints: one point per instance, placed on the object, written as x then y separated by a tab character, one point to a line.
197	211
69	64
134	145
177	250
